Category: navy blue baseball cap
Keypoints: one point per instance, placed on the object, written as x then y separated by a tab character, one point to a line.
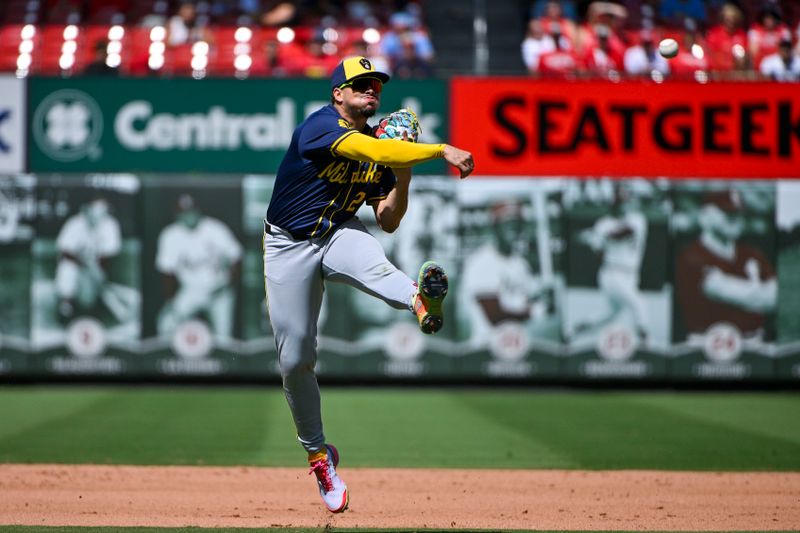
355	67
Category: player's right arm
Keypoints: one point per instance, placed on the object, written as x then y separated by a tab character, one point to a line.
389	211
360	147
751	295
167	261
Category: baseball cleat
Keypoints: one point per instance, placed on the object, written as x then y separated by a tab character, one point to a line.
331	487
427	303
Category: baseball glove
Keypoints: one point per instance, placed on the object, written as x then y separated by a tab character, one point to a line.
395	124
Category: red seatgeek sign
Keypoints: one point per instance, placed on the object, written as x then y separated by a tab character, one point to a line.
519	126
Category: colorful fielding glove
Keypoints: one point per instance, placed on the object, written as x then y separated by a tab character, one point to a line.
395	124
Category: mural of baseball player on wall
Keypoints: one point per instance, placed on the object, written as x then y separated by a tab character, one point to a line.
499	282
191	269
87	243
725	281
618	294
85	288
510	281
200	261
619	238
721	279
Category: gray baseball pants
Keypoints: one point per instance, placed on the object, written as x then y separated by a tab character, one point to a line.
295	272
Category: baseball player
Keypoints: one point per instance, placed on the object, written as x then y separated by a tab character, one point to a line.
620	237
311	235
86	244
498	281
719	279
200	259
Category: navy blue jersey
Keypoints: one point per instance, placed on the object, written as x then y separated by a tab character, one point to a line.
317	190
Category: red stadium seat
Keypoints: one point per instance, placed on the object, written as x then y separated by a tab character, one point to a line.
94	33
8	61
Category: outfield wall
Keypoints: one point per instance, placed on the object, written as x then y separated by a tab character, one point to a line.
540	287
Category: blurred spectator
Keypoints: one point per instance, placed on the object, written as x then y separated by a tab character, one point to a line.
107	11
272	64
602	60
536	43
156	16
280	13
409	50
643	58
797	37
561	62
248	7
62	11
185	27
691	57
543	9
314	62
99	66
727	40
673	12
641	13
360	13
410	65
371	52
783	65
764	36
553	13
605	14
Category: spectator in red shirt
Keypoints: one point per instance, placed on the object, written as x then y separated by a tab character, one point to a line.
561	62
602	60
553	13
536	43
643	58
692	60
727	40
313	62
764	36
599	14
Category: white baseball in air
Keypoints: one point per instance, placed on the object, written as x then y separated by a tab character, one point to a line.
668	48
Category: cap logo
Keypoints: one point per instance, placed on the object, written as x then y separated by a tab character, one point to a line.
365	63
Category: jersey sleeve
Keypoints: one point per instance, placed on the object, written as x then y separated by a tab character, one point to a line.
384	187
321	134
111	242
68	239
482	276
603	227
226	241
166	256
765	268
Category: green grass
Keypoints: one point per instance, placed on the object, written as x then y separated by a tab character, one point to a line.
480	428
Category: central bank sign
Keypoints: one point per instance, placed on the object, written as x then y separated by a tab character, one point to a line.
188	125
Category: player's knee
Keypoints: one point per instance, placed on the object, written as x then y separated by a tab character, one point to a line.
298	355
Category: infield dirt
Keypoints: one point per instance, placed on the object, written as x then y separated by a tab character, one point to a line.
93	495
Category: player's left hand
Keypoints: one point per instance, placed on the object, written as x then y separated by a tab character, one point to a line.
402	124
